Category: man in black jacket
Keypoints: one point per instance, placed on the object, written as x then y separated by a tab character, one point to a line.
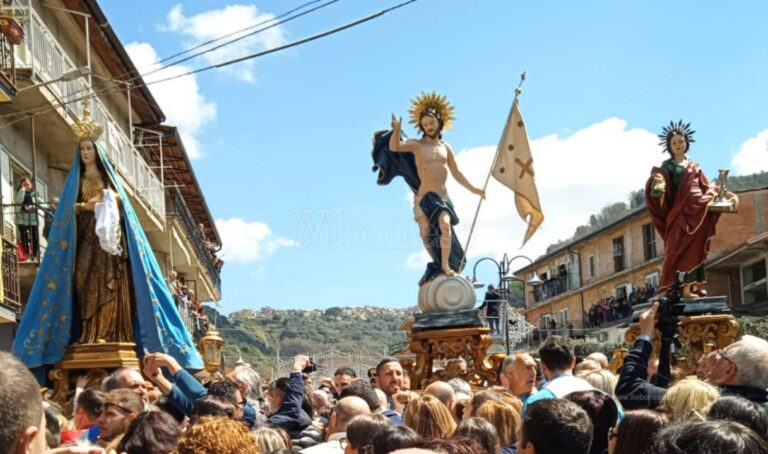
633	389
740	369
491	306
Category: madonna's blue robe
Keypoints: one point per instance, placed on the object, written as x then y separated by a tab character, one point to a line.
47	322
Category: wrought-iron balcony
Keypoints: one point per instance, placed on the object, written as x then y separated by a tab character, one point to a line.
178	208
10	270
9	36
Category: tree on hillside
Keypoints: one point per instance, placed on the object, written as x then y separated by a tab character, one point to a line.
742	182
334	312
636	199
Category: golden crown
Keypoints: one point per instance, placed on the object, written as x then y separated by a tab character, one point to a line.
434	102
86	128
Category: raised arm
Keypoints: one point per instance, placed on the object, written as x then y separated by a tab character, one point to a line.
288	414
395	144
460	176
633	389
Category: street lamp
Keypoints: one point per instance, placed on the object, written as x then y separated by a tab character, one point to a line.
505	274
505	277
240	361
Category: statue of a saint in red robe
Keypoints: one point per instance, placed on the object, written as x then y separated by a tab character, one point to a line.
678	196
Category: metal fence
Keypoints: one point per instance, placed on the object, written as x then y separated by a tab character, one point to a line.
328	362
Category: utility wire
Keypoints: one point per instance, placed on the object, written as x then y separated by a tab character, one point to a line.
33	113
287	46
279	22
178	54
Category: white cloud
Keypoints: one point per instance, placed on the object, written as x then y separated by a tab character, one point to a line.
202	27
181	99
418	260
248	242
752	157
576	176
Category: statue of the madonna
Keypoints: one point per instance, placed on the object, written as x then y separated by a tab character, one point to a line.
99	281
102	281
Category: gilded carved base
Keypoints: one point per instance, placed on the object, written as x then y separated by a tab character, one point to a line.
468	343
618	359
699	334
94	360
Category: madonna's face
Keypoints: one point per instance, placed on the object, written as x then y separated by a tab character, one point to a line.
87	152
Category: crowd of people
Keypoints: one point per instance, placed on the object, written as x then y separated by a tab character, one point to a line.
212	248
609	310
550	287
190	308
555	403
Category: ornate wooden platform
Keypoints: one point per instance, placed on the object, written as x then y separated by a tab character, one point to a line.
467	343
92	359
699	334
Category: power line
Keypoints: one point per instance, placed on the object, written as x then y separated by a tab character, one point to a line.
279	22
178	54
289	45
217	47
33	113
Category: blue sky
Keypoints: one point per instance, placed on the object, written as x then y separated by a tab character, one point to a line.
282	144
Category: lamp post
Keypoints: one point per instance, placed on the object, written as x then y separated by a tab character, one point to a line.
240	361
505	277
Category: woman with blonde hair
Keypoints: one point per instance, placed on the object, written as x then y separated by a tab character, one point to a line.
601	379
503	417
215	435
511	399
429	417
687	399
271	439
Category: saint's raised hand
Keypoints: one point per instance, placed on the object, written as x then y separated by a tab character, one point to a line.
395	122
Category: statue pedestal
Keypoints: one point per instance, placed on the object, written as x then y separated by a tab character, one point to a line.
445	320
446	294
93	359
699	334
467	343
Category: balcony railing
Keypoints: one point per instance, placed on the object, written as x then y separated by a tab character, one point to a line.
551	288
7	61
10	272
45	57
204	254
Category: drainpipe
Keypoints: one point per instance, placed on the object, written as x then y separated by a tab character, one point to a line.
581	291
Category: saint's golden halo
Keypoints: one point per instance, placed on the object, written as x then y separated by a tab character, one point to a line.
426	100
